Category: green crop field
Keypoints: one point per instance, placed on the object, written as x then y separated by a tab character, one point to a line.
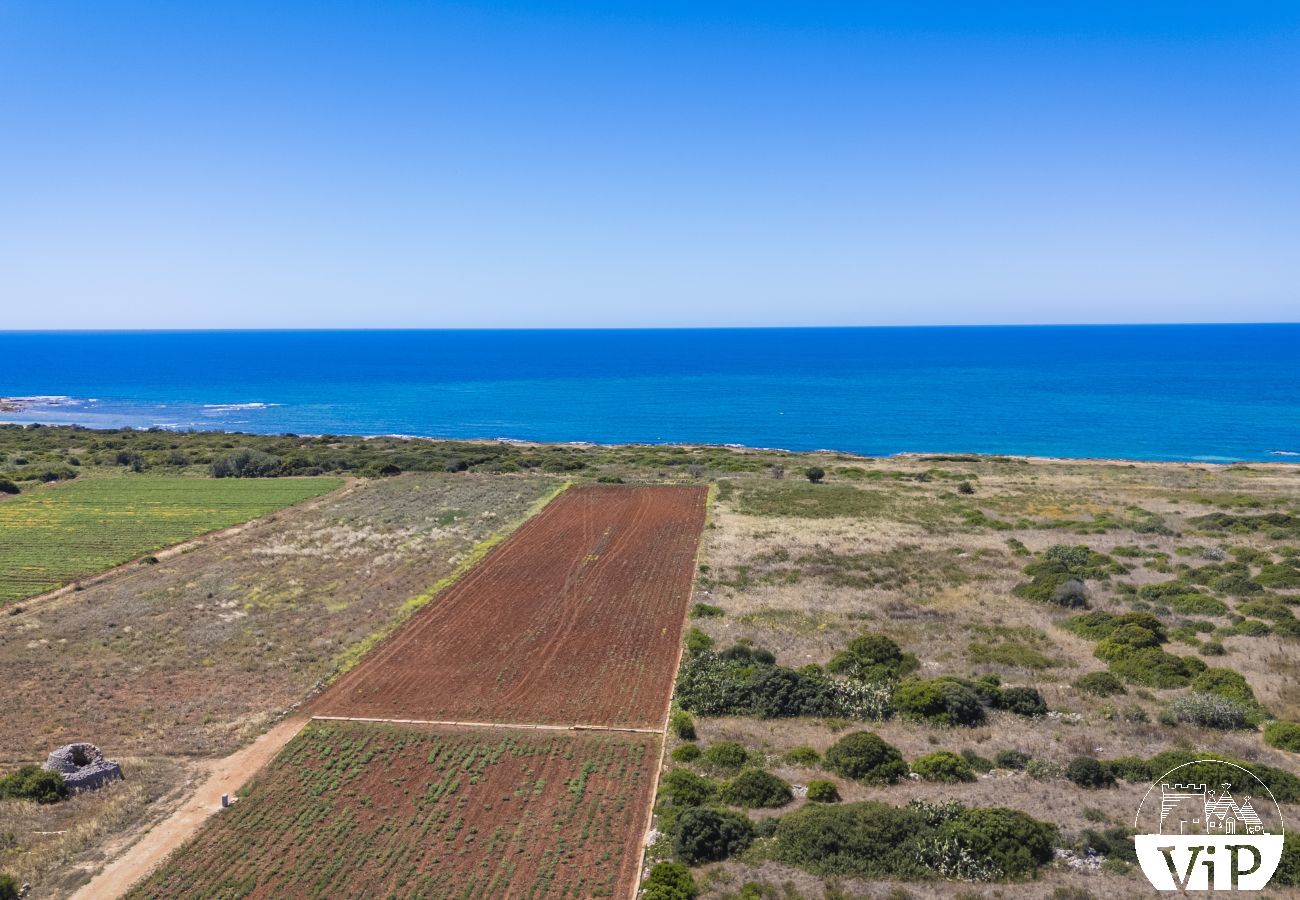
368	810
54	536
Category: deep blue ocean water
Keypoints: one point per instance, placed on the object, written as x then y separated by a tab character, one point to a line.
1184	392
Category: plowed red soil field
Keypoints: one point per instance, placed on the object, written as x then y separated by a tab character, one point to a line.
575	619
365	810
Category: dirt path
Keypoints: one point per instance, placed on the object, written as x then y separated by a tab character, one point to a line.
225	776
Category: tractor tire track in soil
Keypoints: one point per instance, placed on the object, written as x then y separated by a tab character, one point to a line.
574	619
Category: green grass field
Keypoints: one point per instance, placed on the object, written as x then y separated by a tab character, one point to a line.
54	536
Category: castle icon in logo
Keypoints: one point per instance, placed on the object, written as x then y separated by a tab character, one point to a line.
1204	838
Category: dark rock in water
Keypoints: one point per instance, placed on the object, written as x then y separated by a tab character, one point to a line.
83	767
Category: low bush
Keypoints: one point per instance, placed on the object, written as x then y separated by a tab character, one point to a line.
709	835
754	789
8	487
943	765
1057	576
1213	648
669	881
1011	759
803	756
822	791
710	685
706	611
1283	736
1207	768
1225	683
864	756
1133	769
686	753
1112	843
682	787
977	762
875	840
1100	684
247	464
939	701
726	756
33	783
1023	701
1209	711
1087	772
1288	870
697	641
872	657
9	887
681	724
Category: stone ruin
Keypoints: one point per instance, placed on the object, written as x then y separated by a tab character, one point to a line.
83	767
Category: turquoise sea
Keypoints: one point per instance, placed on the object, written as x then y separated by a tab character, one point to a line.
1177	392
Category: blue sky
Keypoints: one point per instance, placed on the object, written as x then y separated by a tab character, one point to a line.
393	164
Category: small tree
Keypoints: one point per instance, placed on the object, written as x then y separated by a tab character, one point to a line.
815	474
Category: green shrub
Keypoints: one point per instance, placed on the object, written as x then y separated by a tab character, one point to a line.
755	789
815	474
1209	711
1284	785
744	652
706	611
681	724
669	881
876	841
863	756
1225	683
710	835
33	783
726	756
977	762
1011	759
683	787
710	685
1288	870
1113	843
1089	773
1100	684
8	487
1023	701
1213	648
1057	576
939	701
822	791
9	887
1151	666
245	464
870	840
872	657
943	765
1133	769
686	753
1283	736
697	641
1015	843
803	756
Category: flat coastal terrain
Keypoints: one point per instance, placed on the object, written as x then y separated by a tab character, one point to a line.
966	670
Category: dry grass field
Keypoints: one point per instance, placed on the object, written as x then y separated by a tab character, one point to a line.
930	552
191	657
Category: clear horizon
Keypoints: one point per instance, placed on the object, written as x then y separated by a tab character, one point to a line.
671	165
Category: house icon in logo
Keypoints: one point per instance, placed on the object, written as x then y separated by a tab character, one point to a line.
1193	809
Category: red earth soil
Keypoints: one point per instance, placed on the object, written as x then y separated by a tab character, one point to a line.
374	810
574	619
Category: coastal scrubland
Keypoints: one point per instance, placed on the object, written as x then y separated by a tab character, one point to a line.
974	665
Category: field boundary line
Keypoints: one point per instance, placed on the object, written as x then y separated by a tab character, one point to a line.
520	726
709	497
353	656
350	483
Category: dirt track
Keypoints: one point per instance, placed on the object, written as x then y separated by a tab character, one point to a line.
226	776
575	619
